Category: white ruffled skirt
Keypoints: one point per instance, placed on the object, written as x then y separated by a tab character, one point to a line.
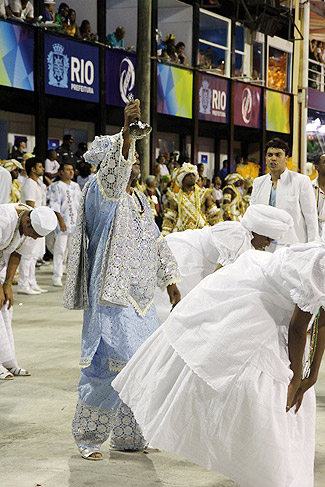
242	432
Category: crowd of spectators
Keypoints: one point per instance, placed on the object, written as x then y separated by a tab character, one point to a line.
167	50
63	21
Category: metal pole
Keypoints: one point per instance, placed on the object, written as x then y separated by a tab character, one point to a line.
304	105
143	78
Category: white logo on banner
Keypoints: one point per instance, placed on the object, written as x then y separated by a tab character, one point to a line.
127	78
205	96
58	66
247	105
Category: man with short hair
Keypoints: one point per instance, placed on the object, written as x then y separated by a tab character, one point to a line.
118	258
116	39
65	153
289	191
49	13
32	195
20	225
319	189
64	197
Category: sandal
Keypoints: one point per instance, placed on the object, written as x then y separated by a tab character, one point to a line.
87	452
17	371
5	374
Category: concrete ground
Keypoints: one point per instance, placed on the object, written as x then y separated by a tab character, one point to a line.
36	445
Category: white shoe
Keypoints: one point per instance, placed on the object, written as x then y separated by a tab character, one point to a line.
27	290
57	283
36	287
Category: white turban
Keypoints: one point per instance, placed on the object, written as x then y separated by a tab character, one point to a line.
187	168
43	220
267	221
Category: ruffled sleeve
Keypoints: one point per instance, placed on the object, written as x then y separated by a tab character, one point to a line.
114	171
168	272
303	270
231	240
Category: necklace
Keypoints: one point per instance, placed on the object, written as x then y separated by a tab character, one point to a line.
141	210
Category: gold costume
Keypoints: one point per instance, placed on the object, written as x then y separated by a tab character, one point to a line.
233	205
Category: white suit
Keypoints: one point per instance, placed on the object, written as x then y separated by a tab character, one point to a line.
294	194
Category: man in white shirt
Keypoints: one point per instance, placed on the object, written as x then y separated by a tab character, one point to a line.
289	191
319	189
32	195
3	5
51	165
20	227
64	197
22	9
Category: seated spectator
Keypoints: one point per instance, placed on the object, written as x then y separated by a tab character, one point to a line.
116	39
22	9
3	5
85	32
180	48
61	17
221	66
223	173
72	29
49	14
18	149
201	59
51	165
200	169
169	52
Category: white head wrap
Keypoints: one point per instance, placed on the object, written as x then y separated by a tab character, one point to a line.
233	178
43	220
267	220
187	168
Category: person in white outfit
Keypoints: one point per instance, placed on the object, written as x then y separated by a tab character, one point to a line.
5	185
319	189
200	252
289	191
32	195
224	383
63	197
20	226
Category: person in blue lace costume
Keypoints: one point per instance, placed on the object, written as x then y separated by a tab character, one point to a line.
118	258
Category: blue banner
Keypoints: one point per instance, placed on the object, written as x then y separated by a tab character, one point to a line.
16	55
120	77
71	69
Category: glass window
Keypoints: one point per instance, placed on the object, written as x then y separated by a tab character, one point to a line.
278	69
257	61
240	38
214	43
239	64
213	29
211	57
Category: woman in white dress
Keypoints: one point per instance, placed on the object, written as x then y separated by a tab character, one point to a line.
200	252
220	381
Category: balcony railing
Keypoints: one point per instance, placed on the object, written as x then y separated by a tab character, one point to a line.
316	73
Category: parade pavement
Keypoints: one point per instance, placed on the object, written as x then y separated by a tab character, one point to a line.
36	445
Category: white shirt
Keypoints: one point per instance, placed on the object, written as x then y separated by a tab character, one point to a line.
32	191
3	5
294	194
64	198
51	167
16	7
5	185
320	204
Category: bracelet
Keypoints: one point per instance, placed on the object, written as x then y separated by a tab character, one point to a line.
9	283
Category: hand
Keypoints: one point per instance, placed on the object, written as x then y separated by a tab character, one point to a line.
63	226
131	112
292	390
304	386
9	297
174	295
2	297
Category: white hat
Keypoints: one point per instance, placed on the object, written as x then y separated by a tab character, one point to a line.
43	220
267	221
47	2
186	168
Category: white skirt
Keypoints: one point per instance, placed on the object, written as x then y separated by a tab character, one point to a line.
242	432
